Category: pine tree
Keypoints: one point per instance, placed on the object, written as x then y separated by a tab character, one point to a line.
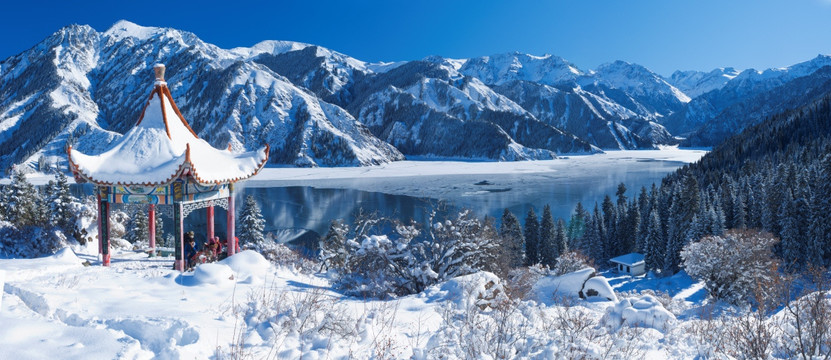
160	230
595	235
611	245
512	240
532	238
251	222
577	227
334	251
548	252
561	239
22	201
653	243
60	201
820	226
632	227
4	204
792	243
139	227
739	213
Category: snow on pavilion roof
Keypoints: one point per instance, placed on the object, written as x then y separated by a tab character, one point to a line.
161	148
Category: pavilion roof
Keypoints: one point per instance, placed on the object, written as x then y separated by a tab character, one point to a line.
161	148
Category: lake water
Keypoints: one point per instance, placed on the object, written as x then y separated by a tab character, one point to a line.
302	202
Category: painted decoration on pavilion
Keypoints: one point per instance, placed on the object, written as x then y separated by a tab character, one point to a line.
177	191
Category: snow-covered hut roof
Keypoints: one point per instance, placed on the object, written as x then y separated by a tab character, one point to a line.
161	148
630	259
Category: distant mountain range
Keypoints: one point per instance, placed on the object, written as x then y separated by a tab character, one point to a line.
318	107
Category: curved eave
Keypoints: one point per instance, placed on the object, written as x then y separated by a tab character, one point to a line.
186	169
194	172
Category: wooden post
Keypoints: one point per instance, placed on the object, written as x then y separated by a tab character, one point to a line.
151	216
210	216
232	246
179	234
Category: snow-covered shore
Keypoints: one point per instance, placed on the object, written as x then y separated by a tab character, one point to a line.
430	169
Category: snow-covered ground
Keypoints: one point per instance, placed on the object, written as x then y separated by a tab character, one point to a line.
55	307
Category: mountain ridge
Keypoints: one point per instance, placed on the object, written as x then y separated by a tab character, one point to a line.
85	87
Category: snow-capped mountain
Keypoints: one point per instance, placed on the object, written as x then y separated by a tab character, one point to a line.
695	83
45	98
743	87
597	106
100	81
420	102
501	68
647	93
316	106
755	109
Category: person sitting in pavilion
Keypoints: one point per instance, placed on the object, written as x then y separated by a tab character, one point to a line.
224	253
190	249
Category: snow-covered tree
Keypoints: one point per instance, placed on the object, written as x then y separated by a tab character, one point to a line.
798	246
22	201
577	226
60	204
548	231
560	239
461	245
532	238
513	241
251	224
611	245
138	230
653	244
334	249
732	266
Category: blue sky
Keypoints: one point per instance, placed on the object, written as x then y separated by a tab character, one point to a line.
663	35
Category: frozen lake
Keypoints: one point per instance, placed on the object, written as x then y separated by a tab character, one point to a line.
295	198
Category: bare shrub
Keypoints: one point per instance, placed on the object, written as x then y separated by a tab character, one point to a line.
570	262
709	332
806	321
521	281
281	255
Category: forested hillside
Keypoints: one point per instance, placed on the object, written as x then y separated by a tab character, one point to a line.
775	176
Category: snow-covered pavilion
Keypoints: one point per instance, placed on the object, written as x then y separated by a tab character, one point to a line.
161	161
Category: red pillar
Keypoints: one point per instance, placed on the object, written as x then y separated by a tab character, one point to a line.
151	216
232	248
210	215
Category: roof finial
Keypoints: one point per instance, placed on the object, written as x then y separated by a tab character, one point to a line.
159	69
